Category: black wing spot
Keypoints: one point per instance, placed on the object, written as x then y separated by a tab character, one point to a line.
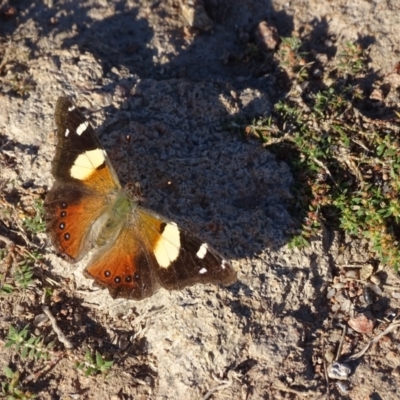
162	227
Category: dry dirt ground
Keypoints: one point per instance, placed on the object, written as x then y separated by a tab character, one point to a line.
147	73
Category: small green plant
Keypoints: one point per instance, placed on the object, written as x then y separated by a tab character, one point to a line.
289	50
21	273
352	60
329	102
24	270
11	389
28	345
94	364
22	85
5	259
347	168
292	58
48	292
36	223
5	288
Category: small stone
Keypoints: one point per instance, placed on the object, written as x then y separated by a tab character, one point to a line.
393	358
195	15
346	305
56	297
267	36
366	271
377	95
338	285
352	274
375	279
375	288
362	323
329	356
396	372
40	320
331	293
393	79
339	316
339	370
343	387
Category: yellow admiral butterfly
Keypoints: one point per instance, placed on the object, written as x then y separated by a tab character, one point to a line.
136	249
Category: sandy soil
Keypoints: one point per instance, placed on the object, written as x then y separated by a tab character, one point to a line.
172	87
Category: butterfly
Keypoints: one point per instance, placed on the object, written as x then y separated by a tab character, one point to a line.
136	250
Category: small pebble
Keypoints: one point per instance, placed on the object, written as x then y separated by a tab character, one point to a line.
267	36
331	293
375	279
329	356
352	274
346	305
362	323
366	271
195	15
338	285
396	371
40	320
19	308
339	370
377	95
375	288
343	387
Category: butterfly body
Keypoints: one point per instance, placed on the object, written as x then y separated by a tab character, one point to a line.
136	249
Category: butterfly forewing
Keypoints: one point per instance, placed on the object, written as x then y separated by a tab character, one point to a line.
85	183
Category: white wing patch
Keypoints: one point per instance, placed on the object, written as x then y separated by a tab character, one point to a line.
202	271
66	132
201	253
72	108
168	247
86	163
82	128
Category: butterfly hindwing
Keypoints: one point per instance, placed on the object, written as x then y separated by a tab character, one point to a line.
124	268
152	251
181	258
